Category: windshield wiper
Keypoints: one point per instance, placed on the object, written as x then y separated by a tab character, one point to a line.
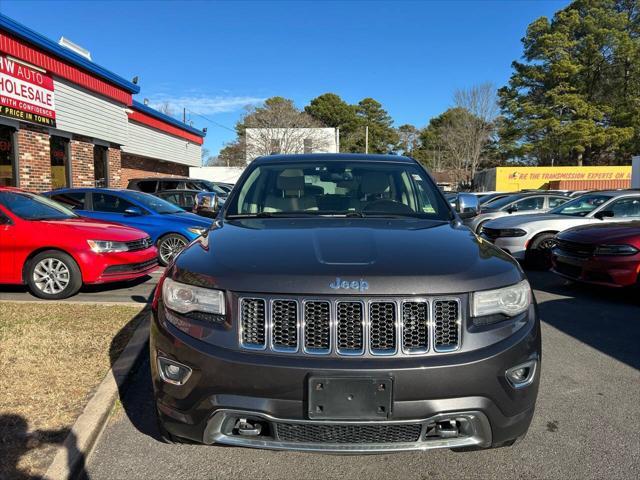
272	215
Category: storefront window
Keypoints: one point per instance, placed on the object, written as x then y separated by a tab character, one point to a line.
7	161
100	166
59	162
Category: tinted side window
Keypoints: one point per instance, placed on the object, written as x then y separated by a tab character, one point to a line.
103	202
531	203
147	186
169	184
555	201
172	197
74	201
627	207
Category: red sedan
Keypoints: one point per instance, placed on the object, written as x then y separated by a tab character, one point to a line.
604	254
55	252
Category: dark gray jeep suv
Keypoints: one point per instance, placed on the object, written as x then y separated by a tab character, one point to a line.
339	304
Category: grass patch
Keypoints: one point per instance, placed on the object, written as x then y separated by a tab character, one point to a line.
52	357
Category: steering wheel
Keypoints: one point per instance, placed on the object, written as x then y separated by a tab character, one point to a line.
387	206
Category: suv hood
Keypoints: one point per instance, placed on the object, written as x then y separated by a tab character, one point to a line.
305	256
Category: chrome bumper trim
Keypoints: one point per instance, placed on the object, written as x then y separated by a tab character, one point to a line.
219	422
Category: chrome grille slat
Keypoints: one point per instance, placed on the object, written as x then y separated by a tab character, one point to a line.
446	324
284	325
346	327
350	326
382	328
415	326
253	323
317	326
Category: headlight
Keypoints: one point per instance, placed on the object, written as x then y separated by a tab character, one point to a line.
616	250
511	232
197	230
107	246
508	301
184	298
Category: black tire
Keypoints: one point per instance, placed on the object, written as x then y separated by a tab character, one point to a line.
168	247
538	255
53	275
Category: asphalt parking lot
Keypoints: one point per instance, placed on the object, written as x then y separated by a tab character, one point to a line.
586	423
138	291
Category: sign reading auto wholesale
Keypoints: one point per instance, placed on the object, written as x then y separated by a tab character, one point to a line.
26	94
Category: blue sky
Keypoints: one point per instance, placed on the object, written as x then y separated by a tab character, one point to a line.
216	57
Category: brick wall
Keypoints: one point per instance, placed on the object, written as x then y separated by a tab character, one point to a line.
134	166
115	170
34	160
82	162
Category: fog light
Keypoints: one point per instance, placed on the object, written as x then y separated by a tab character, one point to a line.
522	375
173	372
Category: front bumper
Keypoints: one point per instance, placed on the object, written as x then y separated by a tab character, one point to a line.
514	246
612	271
228	385
100	268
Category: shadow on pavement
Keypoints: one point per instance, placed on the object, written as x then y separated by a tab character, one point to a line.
603	318
16	441
136	393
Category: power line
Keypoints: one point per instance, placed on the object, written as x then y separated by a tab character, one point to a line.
211	121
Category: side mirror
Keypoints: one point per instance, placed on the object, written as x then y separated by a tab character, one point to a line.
467	205
133	212
5	220
207	203
604	213
512	208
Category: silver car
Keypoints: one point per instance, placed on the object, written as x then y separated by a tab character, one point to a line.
519	203
530	237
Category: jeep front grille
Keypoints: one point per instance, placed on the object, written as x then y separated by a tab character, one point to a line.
350	327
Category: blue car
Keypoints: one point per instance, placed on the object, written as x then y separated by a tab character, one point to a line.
170	227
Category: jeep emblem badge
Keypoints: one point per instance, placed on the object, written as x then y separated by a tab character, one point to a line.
359	285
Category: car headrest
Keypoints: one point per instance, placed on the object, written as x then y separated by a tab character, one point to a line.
291	179
374	182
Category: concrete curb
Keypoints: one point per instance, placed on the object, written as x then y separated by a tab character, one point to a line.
73	453
79	302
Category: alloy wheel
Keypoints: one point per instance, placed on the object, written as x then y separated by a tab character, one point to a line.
51	276
170	247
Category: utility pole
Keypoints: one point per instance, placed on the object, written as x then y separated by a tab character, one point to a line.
184	115
366	139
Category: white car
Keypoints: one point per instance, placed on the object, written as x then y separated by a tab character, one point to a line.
530	237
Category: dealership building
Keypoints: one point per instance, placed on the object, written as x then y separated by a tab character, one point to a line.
66	121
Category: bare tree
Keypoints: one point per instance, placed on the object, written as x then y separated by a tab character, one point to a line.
166	108
474	130
279	127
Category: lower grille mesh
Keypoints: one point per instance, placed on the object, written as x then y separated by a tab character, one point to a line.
315	433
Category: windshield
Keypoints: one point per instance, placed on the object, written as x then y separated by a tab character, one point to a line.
501	202
358	189
34	207
210	187
154	203
581	206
